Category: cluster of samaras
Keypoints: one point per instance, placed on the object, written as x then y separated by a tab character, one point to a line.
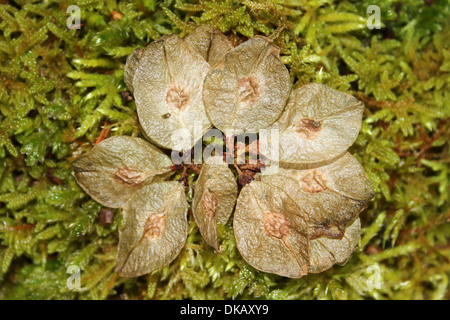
299	219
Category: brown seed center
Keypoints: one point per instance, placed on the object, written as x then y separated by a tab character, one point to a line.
154	226
313	181
308	128
177	97
129	176
276	225
249	89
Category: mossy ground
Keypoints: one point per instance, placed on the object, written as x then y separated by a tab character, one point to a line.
60	88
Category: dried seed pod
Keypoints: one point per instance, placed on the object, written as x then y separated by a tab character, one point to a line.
155	229
131	66
271	228
318	124
210	43
248	88
168	85
326	252
214	199
332	195
117	167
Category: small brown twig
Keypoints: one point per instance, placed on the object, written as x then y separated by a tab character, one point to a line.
104	133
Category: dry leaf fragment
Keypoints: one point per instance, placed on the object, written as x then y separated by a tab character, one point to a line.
117	167
271	229
318	124
248	88
326	252
168	85
214	199
210	43
333	195
155	229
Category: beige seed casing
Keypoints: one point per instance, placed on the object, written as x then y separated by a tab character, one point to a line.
118	167
248	89
326	200
271	229
333	195
215	195
168	86
318	124
155	229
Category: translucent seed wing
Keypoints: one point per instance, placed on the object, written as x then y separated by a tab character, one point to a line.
248	89
168	85
117	167
214	199
326	252
155	229
210	43
130	67
271	229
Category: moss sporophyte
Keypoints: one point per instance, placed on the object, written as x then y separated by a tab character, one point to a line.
295	210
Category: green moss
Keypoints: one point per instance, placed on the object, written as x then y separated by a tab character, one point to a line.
60	88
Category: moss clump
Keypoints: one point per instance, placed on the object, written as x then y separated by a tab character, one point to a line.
61	89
